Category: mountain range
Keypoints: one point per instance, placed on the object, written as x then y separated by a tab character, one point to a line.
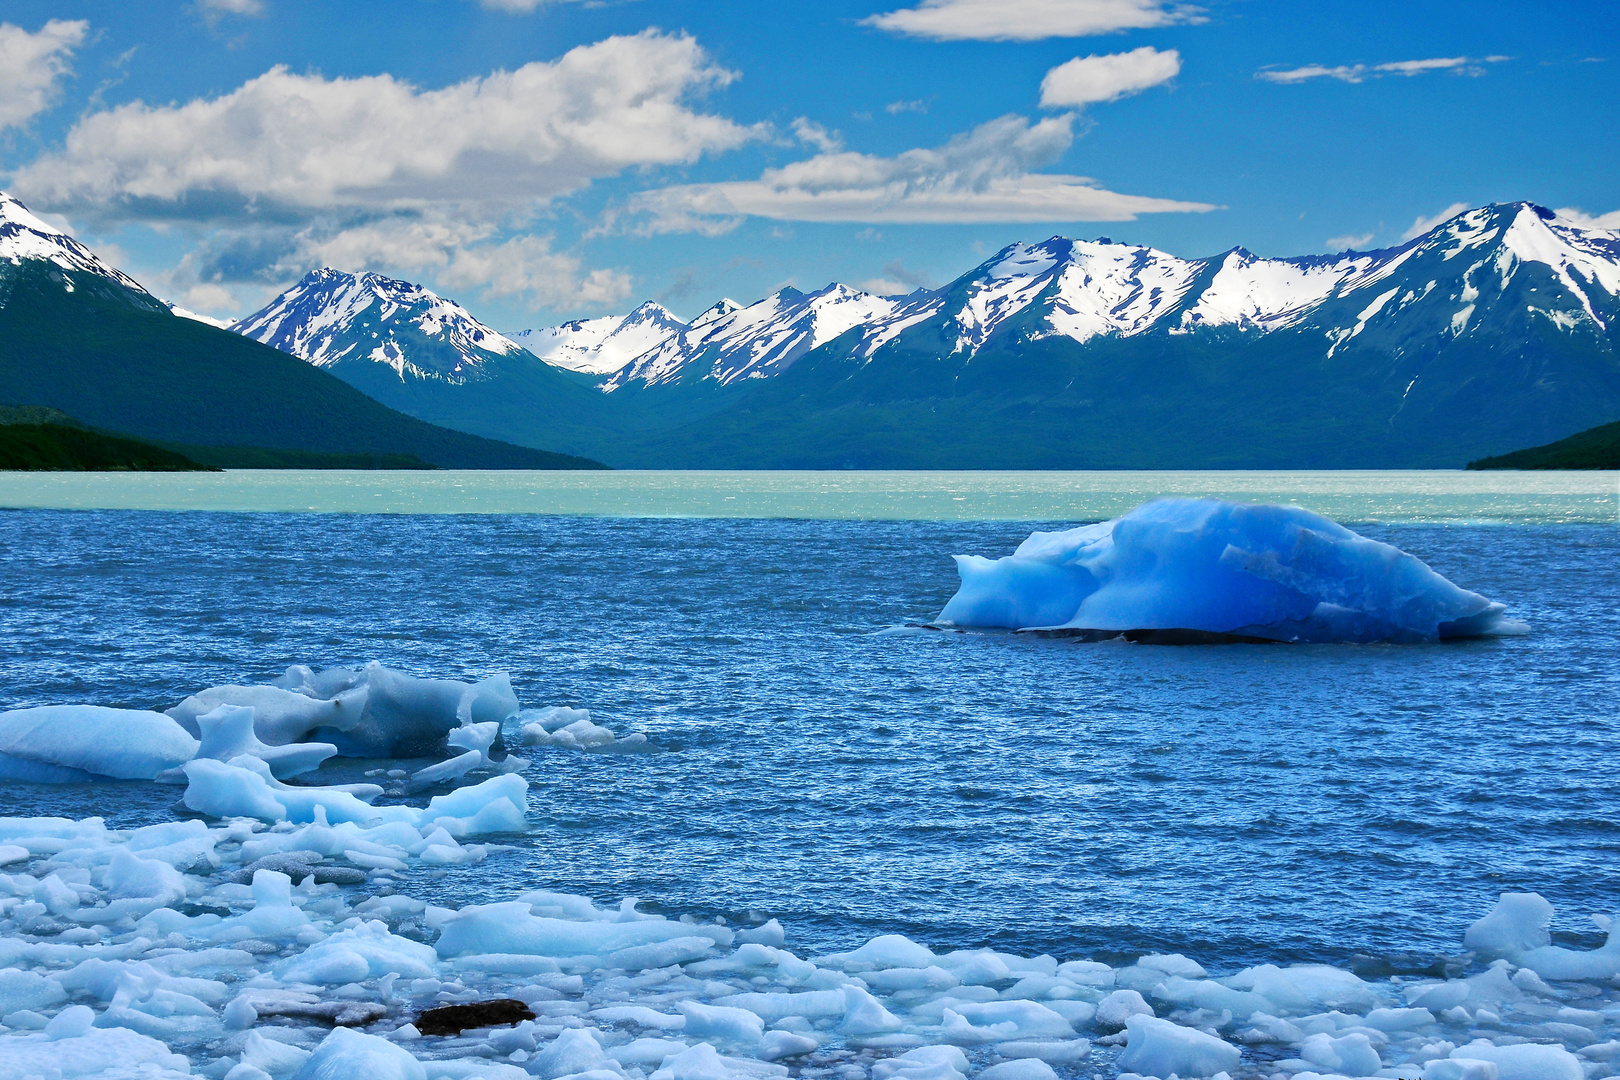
1492	331
79	336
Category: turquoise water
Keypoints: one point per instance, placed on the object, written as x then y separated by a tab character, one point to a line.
1434	496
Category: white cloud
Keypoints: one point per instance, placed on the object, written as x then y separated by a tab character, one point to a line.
211	299
288	146
214	9
813	134
32	64
1028	20
1350	243
1356	73
1424	224
1086	80
1582	220
895	108
985	175
460	254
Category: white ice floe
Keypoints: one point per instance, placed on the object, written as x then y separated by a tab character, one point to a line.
1196	569
248	948
373	712
71	743
283	730
573	729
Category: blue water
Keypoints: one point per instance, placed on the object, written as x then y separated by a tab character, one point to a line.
1236	803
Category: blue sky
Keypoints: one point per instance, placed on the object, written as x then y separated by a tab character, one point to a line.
553	160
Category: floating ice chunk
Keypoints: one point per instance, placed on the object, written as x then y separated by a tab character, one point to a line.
1526	1061
568	729
377	712
1518	929
139	886
1347	1055
279	716
1460	1069
721	1022
509	928
1157	1047
1019	1069
244	787
1518	923
864	1015
367	951
270	1056
20	990
886	951
228	732
575	1050
701	1062
976	967
91	742
1305	988
406	715
812	1004
1218	568
1016	1019
1060	1052
1118	1007
346	1055
776	1045
924	1063
499	804
92	1053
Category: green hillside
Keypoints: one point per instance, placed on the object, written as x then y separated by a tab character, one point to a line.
118	361
1595	448
61	448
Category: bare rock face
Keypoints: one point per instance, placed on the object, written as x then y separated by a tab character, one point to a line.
454	1019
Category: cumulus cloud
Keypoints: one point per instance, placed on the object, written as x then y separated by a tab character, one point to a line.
1582	220
1423	224
32	65
984	175
895	108
1028	20
1086	80
1350	242
287	145
1356	73
450	252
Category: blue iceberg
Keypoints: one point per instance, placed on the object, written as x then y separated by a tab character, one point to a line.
1187	570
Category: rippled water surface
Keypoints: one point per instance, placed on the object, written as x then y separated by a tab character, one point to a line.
1235	803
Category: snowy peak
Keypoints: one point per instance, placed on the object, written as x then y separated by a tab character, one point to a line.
332	317
756	341
602	346
24	236
721	308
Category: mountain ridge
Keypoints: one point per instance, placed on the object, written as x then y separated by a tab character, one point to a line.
80	336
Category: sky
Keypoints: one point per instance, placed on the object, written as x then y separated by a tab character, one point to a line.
546	160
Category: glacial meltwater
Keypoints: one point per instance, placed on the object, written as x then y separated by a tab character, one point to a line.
1352	805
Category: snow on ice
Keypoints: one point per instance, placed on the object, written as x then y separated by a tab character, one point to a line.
1202	569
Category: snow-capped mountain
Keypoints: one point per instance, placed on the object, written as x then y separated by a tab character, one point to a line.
332	318
728	343
603	346
24	238
1081	290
